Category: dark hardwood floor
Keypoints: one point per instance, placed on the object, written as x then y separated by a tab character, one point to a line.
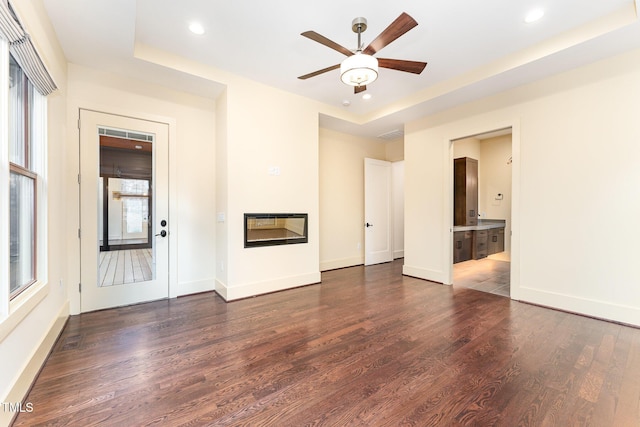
367	347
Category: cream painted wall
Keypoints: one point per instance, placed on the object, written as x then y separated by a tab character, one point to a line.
25	343
575	168
495	177
221	192
467	147
191	172
269	129
342	196
394	150
427	180
265	128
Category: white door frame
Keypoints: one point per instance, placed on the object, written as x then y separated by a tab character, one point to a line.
374	221
74	285
447	255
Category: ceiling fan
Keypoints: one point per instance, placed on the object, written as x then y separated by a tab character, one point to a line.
360	67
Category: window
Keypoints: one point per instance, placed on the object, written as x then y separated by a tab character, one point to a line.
23	180
24	86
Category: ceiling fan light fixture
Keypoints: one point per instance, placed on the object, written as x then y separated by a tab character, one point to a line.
359	69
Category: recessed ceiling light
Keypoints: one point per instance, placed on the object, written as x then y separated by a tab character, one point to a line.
533	16
196	28
366	96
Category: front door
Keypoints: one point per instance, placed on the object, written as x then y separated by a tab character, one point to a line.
378	238
124	225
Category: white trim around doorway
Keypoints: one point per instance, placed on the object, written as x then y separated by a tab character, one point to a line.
73	291
447	255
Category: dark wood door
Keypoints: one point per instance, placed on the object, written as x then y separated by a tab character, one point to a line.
472	191
465	191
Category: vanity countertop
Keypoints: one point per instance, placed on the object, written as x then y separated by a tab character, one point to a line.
483	224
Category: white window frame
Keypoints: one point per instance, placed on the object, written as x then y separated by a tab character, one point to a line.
13	311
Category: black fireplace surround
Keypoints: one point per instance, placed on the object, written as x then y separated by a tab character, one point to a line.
269	229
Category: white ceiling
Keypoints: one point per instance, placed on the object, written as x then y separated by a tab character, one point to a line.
473	48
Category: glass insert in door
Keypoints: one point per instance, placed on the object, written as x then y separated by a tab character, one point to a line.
124	212
128	212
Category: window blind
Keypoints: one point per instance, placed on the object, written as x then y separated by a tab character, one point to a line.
24	51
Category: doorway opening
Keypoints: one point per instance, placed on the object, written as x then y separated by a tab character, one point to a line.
482	240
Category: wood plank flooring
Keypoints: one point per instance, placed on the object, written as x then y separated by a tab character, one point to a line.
367	347
125	266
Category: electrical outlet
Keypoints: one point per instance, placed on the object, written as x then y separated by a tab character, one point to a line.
274	170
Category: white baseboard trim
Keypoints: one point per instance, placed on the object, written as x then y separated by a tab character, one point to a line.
588	307
423	273
230	293
187	288
25	379
341	263
221	289
398	254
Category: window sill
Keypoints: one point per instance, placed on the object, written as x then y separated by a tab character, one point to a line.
21	306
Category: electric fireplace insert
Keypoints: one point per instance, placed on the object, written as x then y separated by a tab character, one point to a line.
269	229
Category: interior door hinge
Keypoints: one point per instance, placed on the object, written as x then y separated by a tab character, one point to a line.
78	123
78	178
78	233
79	287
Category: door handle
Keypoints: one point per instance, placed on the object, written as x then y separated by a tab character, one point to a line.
163	233
368	225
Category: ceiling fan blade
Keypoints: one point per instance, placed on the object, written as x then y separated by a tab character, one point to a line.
358	89
325	41
317	73
401	25
414	67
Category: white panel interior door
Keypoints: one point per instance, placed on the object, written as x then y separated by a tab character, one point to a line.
378	237
145	272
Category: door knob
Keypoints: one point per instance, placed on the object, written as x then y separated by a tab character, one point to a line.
162	233
368	225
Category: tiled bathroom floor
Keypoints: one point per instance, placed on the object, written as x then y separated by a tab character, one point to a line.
487	275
